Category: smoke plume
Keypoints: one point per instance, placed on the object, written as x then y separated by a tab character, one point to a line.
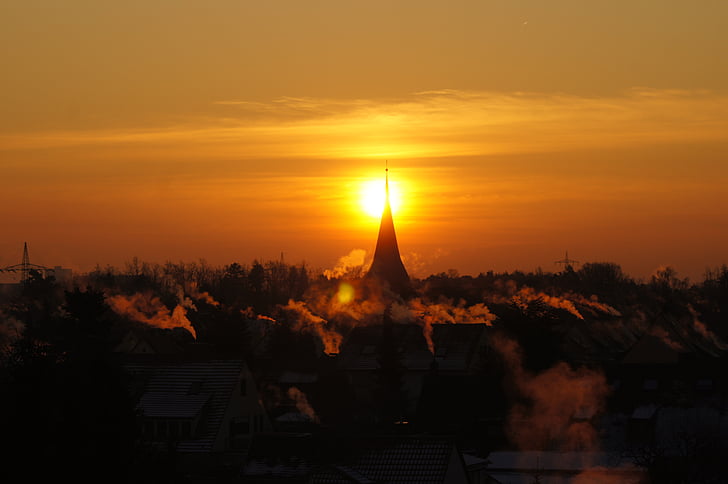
700	328
205	296
354	302
305	320
552	408
665	337
443	312
329	311
350	265
525	296
302	405
148	309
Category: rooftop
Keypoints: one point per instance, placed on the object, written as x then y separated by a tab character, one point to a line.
182	389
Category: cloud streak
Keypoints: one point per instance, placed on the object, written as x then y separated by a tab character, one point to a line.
423	125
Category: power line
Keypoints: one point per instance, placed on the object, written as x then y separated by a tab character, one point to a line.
566	262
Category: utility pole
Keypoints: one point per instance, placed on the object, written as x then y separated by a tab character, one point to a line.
25	264
566	262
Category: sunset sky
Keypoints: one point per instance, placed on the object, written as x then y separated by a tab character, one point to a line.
234	130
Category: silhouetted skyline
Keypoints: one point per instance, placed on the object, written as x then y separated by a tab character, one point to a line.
238	131
214	290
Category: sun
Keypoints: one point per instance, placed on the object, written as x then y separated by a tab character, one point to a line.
373	195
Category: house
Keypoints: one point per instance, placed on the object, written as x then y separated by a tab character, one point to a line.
454	396
337	459
415	460
457	350
360	357
197	406
671	364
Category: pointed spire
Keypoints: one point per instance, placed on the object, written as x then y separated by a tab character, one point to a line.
387	265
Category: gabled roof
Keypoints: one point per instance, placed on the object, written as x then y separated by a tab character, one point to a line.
184	388
337	474
146	341
563	462
600	340
171	405
651	350
416	461
344	460
419	460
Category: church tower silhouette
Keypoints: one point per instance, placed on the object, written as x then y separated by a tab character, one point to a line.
387	266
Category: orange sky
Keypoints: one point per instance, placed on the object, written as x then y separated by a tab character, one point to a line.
231	130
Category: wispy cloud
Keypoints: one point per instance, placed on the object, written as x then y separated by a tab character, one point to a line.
425	124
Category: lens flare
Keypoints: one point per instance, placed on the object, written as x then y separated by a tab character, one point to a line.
346	293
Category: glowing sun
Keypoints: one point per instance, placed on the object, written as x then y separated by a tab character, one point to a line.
373	195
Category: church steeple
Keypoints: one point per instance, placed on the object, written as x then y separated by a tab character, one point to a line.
387	266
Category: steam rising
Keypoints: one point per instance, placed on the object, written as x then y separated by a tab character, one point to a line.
305	320
555	404
443	312
205	297
302	405
569	301
148	309
348	265
703	330
328	314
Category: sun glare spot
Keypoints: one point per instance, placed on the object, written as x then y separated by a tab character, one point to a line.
373	195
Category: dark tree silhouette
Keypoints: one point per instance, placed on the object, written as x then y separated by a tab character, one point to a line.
65	401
